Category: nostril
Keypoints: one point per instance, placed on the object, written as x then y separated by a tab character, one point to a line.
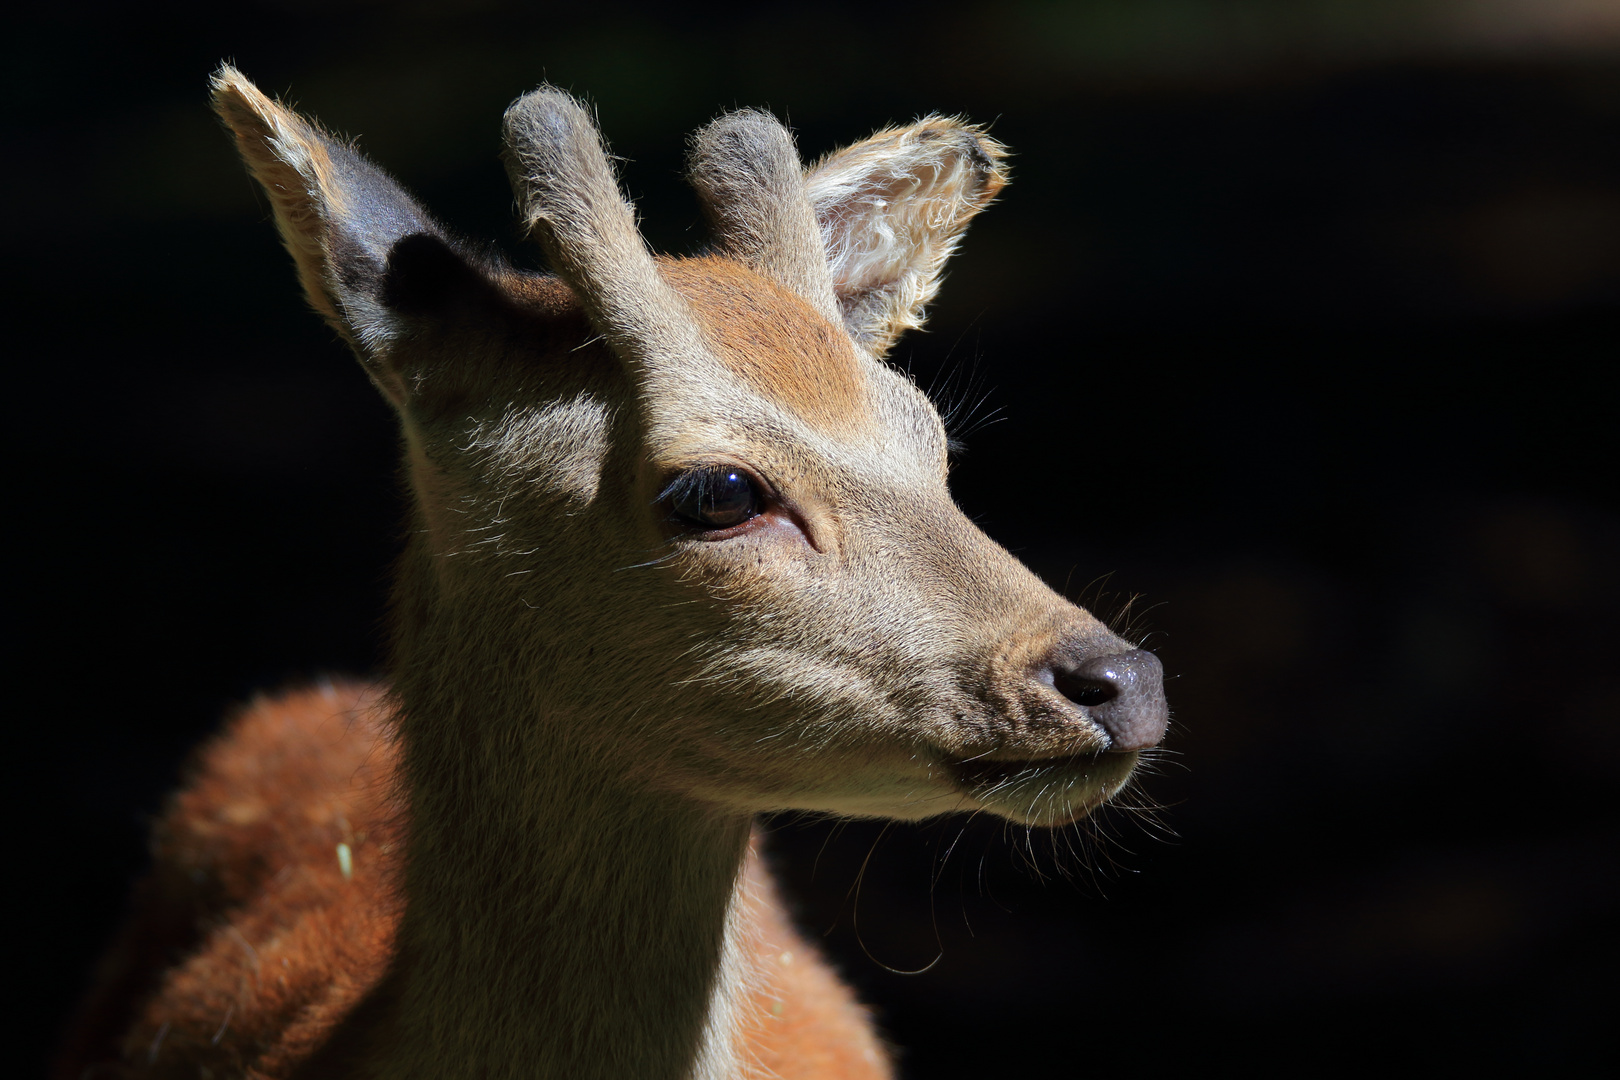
1122	693
1081	691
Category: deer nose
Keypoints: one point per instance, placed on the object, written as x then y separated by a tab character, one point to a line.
1122	693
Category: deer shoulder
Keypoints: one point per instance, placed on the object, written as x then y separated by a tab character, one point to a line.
681	552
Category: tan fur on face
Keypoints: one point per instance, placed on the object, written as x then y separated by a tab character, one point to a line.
593	691
750	183
780	346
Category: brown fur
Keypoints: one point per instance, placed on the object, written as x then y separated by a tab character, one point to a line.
593	696
800	1021
276	947
748	178
275	944
780	346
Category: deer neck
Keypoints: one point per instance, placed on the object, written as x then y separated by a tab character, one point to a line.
560	919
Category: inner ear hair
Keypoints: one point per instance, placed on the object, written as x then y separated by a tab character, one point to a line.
892	211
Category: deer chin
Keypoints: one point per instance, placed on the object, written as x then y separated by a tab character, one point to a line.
1045	791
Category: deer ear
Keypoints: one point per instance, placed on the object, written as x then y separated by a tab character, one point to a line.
892	210
368	256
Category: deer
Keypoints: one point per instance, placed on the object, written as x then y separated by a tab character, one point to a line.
681	553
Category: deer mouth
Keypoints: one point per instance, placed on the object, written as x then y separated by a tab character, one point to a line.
1045	790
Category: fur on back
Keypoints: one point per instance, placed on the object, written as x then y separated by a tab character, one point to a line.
597	681
249	942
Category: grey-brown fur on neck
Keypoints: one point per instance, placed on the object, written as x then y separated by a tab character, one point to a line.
570	657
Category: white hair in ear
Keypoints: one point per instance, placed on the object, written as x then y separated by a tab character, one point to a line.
892	210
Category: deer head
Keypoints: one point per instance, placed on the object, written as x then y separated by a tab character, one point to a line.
677	522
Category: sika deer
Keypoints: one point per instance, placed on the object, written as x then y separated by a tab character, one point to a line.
682	553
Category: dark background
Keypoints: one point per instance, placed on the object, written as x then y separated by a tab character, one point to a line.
1297	323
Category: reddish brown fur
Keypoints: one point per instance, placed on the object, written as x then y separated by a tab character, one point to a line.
247	946
801	1021
575	842
246	867
775	341
550	297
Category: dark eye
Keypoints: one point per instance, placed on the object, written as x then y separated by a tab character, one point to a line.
716	498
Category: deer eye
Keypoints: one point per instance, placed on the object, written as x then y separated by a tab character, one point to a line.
715	498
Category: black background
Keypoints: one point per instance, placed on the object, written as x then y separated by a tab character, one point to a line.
1297	323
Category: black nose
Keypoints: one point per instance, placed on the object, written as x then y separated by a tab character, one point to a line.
1122	693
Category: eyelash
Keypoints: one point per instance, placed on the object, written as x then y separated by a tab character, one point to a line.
709	497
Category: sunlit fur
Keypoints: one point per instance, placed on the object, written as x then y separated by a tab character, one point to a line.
893	209
590	699
280	944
